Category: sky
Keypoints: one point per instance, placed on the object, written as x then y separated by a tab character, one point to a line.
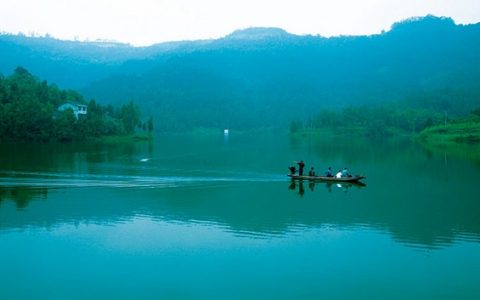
145	22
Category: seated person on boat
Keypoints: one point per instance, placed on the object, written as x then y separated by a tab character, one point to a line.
339	174
328	173
345	173
292	169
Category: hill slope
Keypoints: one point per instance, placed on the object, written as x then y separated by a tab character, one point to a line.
265	77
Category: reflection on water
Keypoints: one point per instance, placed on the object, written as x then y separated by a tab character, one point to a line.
240	185
252	208
22	195
167	220
145	258
343	186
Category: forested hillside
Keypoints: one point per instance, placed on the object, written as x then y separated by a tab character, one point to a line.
29	112
266	77
75	64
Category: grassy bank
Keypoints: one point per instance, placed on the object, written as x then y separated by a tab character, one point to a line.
462	132
460	139
351	131
121	138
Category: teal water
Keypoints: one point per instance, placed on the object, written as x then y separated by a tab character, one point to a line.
207	217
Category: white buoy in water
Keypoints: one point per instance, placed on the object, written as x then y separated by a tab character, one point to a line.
225	131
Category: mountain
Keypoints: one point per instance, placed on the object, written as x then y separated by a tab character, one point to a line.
75	64
258	33
265	77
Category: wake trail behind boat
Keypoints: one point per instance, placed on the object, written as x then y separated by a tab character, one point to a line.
70	180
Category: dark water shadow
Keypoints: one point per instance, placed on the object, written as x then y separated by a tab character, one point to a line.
22	196
316	184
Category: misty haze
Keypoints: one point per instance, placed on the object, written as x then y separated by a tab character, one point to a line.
259	165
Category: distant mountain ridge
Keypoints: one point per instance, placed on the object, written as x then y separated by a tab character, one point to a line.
71	57
258	33
75	64
264	77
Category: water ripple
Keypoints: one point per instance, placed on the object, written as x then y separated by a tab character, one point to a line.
66	180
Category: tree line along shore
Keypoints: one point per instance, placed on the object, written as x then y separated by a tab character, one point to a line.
431	126
34	110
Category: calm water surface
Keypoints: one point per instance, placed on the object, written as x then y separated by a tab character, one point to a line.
193	218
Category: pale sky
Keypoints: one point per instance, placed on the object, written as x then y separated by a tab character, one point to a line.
145	22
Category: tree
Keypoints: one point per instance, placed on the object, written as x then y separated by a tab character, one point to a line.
150	125
130	116
476	112
295	126
64	128
28	111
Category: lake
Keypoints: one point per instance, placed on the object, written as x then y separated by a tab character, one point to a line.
189	217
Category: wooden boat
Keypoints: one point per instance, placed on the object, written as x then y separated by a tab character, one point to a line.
354	178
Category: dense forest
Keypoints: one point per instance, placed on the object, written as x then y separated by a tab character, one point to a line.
29	112
244	82
379	121
265	77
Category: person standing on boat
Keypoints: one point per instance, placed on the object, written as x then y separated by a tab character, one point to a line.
301	165
329	172
339	174
311	172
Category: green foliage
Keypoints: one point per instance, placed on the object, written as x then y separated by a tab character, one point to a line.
428	63
461	131
28	111
150	125
64	128
476	112
377	121
130	116
261	79
295	126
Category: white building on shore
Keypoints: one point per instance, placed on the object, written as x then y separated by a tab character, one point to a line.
78	109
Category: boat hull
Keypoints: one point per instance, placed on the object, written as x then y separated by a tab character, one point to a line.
355	178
